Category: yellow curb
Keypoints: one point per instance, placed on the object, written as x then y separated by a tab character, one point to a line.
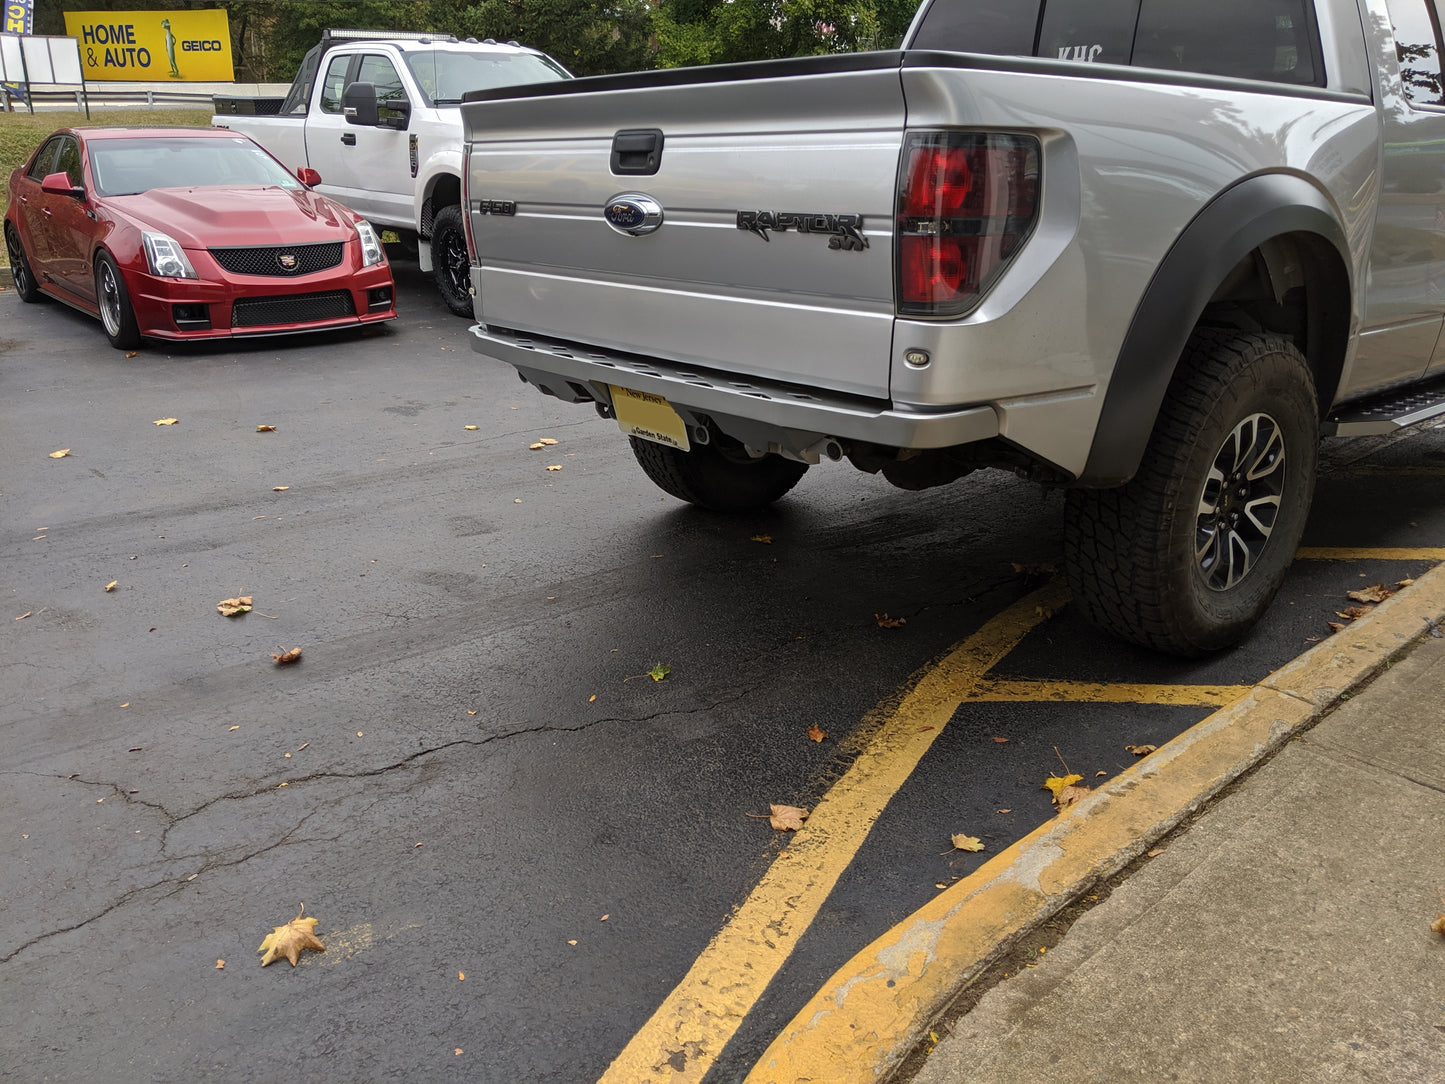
875	1010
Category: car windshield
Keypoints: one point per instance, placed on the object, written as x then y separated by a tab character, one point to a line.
445	76
125	167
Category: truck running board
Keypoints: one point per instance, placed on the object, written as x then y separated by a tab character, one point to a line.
1388	412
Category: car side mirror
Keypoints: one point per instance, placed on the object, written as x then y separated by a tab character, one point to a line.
58	184
399	110
358	104
308	176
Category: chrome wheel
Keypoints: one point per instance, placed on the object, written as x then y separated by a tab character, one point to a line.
1240	502
108	295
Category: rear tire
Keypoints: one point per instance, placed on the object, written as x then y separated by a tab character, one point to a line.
450	262
715	479
26	284
116	314
1187	556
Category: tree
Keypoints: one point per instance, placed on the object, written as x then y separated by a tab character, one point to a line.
590	37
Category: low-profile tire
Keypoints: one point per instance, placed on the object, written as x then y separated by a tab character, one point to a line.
111	296
450	263
26	284
716	479
1187	556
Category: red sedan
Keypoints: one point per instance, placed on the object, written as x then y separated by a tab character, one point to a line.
189	233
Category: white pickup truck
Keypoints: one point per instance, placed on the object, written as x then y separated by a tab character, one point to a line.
378	117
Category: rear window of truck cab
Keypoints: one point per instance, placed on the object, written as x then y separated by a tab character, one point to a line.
1270	40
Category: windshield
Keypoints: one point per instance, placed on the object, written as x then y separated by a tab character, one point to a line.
445	76
124	167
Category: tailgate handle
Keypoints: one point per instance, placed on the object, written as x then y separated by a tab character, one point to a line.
637	152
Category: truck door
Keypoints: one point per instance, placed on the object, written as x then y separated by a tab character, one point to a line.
329	139
1405	295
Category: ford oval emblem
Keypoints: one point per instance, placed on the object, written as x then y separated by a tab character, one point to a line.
633	214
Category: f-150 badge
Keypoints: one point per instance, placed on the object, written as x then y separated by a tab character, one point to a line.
845	231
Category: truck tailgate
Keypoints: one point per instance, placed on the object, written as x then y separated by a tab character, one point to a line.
808	146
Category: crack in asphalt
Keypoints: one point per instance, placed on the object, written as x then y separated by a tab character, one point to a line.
286	840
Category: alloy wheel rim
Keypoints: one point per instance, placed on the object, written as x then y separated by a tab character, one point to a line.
109	299
455	254
1239	504
19	270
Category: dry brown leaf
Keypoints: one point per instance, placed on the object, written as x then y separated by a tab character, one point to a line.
234	607
765	539
236	727
461	976
290	939
537	447
285	658
1438	926
265	429
220	965
166	421
966	843
547	442
1374	593
1070	795
1001	741
111	585
131	353
1056	784
471	428
1003	810
26	614
1140	750
786	818
1404	583
886	622
1336	626
555	466
279	489
816	732
1349	613
60	454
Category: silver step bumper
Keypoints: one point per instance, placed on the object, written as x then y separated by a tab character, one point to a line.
582	374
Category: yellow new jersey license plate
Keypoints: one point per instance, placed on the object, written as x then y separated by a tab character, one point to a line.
650	417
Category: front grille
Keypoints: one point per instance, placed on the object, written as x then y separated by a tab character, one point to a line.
304	259
292	309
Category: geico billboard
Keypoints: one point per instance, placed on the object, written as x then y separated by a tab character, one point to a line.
151	46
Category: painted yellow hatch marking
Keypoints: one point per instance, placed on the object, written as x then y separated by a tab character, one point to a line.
688	1031
1091	692
1377	553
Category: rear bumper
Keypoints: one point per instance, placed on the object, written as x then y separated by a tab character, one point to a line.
756	412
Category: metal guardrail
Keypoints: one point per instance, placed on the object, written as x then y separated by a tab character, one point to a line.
72	97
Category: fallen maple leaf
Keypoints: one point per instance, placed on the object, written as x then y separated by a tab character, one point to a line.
233	607
60	454
555	466
220	965
1070	795
816	732
290	939
967	843
886	622
1140	750
1375	593
660	671
1336	626
286	657
265	429
1056	784
1349	613
1404	583
786	818
547	442
111	585
537	446
166	421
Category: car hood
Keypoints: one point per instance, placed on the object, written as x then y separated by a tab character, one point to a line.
218	217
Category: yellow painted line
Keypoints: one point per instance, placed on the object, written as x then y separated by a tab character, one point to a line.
1090	692
1381	553
875	1009
688	1031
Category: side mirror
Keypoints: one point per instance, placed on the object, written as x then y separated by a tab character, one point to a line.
308	176
398	113
358	104
58	184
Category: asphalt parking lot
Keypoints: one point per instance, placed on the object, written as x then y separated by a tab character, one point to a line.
529	860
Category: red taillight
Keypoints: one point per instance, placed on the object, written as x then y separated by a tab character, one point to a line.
965	201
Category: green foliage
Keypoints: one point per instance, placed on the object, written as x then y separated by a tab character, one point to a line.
725	31
587	36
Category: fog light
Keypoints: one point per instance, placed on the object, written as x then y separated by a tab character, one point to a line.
916	359
378	299
191	317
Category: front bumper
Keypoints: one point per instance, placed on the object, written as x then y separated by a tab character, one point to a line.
767	416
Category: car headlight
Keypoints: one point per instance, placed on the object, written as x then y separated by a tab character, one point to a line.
371	250
165	257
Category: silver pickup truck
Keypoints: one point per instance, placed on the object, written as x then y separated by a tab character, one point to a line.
1146	250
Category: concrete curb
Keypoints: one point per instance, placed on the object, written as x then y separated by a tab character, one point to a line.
876	1009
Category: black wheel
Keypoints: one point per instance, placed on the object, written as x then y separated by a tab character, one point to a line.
113	299
1188	555
718	479
449	260
25	283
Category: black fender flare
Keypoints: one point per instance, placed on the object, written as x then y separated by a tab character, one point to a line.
1233	224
